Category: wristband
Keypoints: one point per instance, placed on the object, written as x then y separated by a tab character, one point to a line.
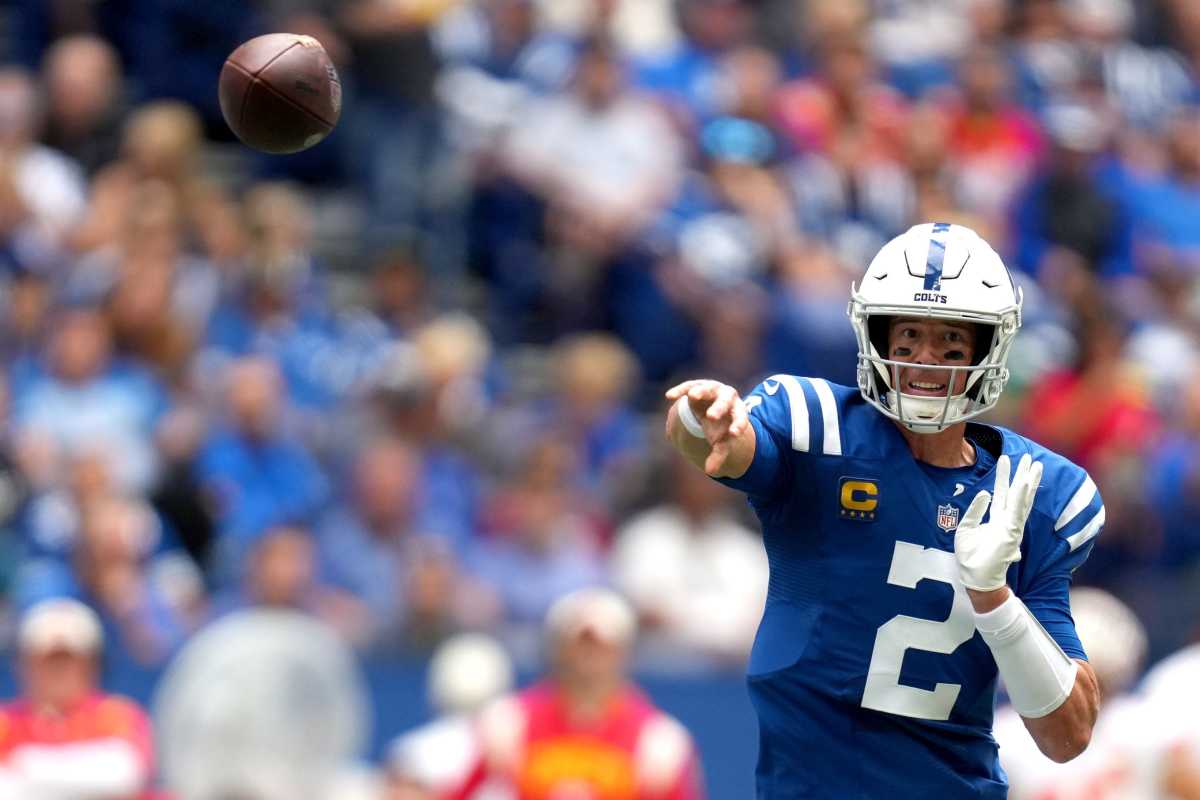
688	417
1039	676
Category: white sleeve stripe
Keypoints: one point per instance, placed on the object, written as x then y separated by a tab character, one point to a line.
1078	502
1076	540
799	410
832	444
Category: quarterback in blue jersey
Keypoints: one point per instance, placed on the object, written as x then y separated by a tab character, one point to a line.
915	555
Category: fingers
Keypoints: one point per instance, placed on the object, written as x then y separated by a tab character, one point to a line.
716	459
680	389
974	516
1000	491
1024	491
699	392
726	397
714	401
741	419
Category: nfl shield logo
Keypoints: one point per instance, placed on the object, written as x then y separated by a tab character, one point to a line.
947	517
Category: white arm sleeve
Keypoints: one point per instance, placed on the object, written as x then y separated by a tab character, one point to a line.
105	769
1038	674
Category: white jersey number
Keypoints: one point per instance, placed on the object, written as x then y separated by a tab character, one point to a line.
912	564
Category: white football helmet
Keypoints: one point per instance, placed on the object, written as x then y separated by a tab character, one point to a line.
939	271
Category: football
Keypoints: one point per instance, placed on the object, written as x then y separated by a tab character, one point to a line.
280	93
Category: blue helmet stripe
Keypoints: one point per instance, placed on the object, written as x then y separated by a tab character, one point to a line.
937	254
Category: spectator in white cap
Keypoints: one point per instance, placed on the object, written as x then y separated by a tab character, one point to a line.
64	739
585	730
465	673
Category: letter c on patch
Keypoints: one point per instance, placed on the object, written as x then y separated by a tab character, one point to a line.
859	495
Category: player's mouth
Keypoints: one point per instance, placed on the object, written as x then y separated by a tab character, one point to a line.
925	388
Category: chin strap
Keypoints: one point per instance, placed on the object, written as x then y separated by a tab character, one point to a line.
929	410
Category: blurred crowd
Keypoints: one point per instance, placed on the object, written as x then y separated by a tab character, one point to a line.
409	381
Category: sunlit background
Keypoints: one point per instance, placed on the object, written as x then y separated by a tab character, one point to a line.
409	382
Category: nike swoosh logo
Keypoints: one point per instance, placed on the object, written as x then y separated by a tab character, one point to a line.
771	386
879	277
958	489
989	285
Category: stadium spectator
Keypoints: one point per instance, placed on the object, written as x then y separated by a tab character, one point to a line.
281	573
400	292
147	601
598	154
597	163
594	377
373	548
1184	33
80	397
505	40
85	100
27	300
844	105
695	574
466	673
688	76
279	291
277	307
1070	206
64	737
51	527
543	544
1146	85
585	727
395	62
918	42
154	289
1168	689
1165	205
160	141
1137	749
1172	482
993	142
49	185
639	27
253	471
1096	413
429	395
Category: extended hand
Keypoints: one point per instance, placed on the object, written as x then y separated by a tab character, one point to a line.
985	551
722	415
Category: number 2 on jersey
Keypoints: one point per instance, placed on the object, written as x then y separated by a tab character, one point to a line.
911	564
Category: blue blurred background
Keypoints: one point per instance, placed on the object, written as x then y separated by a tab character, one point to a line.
409	381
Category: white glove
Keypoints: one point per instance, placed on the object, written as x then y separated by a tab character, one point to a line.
984	551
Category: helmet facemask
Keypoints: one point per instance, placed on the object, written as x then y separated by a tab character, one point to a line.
878	377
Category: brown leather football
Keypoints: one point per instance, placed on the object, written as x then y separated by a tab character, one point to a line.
280	93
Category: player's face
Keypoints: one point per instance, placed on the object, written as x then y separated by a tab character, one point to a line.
935	343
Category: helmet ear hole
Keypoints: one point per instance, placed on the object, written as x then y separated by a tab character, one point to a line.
983	342
877	331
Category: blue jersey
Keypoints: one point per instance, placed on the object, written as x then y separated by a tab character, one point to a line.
867	674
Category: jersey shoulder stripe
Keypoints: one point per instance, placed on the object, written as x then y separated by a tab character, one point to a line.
1079	501
1088	532
831	443
811	405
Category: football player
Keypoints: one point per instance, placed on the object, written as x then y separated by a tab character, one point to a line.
914	554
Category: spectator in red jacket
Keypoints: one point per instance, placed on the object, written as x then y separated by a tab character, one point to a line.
585	731
64	738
